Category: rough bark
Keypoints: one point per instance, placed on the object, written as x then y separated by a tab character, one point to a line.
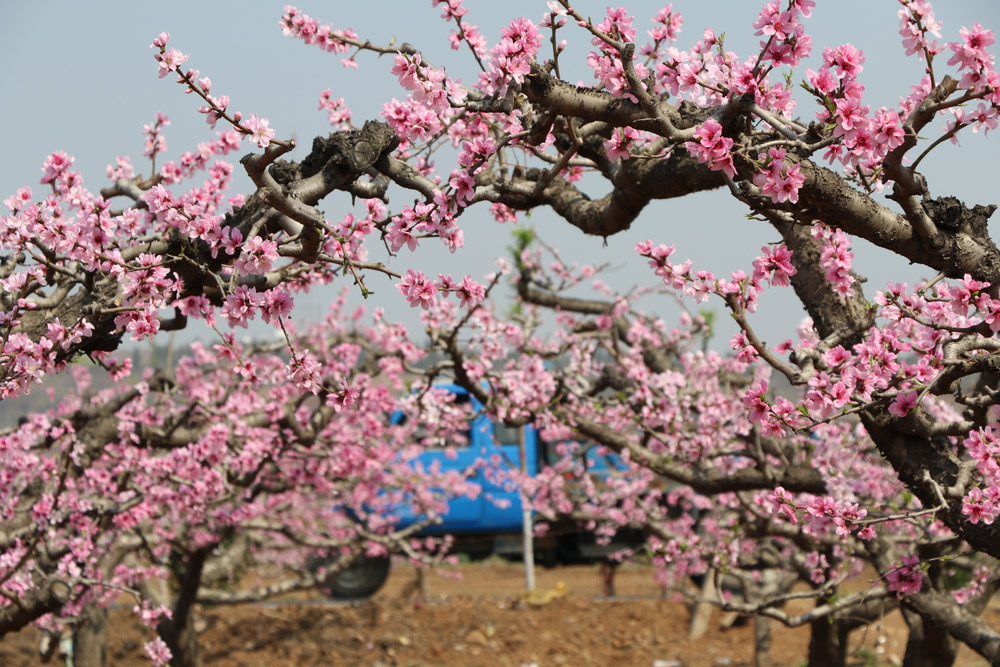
797	478
940	610
829	312
928	644
90	638
827	644
762	641
335	163
924	463
43	600
915	455
178	631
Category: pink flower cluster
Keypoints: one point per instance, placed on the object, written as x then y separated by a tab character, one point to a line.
122	169
903	403
257	256
430	87
712	148
417	289
786	42
422	219
241	306
56	170
819	514
907	578
873	370
774	266
971	54
745	352
476	152
702	73
337	112
148	282
169	61
975	587
950	305
864	141
155	141
617	147
454	11
258	131
607	64
827	392
296	24
775	417
668	27
836	258
158	651
412	121
406	228
983	504
776	178
469	292
916	21
197	160
510	59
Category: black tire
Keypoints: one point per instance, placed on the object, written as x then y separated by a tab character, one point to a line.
362	579
568	549
549	558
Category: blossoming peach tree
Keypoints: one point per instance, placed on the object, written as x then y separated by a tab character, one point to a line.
868	437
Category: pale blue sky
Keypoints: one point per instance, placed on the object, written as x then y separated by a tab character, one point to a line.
82	79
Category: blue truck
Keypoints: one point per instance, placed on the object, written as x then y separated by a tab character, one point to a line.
493	522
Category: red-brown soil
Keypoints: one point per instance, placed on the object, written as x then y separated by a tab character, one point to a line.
481	620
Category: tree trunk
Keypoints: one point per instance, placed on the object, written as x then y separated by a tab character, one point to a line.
90	640
928	644
772	583
178	632
701	613
827	643
762	641
182	641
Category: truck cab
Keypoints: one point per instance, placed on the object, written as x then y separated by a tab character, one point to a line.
491	523
497	509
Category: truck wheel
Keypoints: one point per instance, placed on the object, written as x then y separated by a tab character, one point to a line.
361	580
568	549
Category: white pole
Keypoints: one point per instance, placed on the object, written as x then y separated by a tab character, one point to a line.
527	529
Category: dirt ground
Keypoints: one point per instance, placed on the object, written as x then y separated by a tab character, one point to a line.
482	619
